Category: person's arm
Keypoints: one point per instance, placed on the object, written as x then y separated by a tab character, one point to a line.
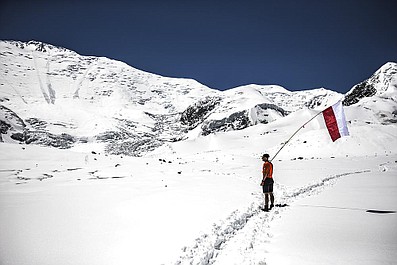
264	174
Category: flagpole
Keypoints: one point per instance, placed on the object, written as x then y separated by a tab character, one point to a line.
294	134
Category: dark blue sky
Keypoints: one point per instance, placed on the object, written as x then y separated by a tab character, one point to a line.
222	44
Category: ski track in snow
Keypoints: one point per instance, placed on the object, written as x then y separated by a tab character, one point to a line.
246	232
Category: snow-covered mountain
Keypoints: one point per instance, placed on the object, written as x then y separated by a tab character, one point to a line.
59	98
374	101
54	96
382	83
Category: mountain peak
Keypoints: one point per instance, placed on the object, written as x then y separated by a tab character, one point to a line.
382	83
39	46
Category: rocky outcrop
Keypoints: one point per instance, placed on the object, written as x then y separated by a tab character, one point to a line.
236	121
62	141
17	129
364	89
196	113
262	113
10	122
37	46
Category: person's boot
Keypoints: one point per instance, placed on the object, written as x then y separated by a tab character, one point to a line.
271	206
266	209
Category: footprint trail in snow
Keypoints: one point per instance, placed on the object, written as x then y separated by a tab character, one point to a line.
243	236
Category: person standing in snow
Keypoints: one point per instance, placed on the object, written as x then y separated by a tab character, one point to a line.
267	182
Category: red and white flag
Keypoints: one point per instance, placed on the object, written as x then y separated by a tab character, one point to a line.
335	120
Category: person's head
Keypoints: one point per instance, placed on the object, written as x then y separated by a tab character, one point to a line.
265	157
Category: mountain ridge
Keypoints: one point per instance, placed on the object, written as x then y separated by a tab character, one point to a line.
61	99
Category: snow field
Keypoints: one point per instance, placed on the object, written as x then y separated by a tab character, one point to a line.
106	209
333	227
201	208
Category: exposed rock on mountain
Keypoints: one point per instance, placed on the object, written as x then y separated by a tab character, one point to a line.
196	113
364	89
236	121
62	141
10	123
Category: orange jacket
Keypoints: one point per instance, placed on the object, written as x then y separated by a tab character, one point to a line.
267	170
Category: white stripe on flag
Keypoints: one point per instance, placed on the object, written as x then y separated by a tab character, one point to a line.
340	118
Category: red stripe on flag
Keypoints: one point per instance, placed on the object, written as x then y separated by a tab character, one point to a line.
332	125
